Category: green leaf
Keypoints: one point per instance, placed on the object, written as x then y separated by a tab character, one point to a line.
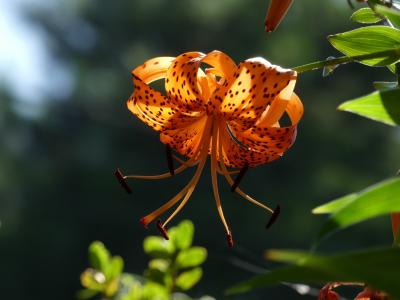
393	15
365	16
377	200
188	279
378	268
154	291
86	294
381	106
114	268
158	247
182	235
334	205
99	256
191	257
369	40
93	279
159	264
385	85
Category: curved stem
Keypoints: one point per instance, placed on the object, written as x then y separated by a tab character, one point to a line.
345	59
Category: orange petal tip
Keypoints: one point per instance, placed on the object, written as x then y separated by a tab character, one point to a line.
276	12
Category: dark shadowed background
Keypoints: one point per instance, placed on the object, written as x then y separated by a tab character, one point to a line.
64	127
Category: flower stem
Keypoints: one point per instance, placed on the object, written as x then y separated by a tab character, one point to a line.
346	59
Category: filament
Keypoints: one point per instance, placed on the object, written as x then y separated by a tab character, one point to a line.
215	182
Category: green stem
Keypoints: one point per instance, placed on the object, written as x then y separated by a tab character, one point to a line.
346	59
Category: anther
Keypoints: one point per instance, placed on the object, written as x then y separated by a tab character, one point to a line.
122	181
170	160
229	239
144	222
274	216
163	231
240	176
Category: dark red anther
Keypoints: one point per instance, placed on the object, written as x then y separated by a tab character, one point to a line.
239	178
170	160
229	239
274	216
122	181
163	231
143	221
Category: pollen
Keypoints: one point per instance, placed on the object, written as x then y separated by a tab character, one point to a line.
230	113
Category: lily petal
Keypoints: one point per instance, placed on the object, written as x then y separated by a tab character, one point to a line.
276	12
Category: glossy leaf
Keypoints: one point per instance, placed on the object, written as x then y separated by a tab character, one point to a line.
393	15
334	205
158	247
385	85
381	106
369	40
365	16
182	235
379	268
377	200
188	279
99	256
191	257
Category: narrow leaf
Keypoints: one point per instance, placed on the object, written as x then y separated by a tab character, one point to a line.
378	268
334	205
365	16
381	106
369	40
385	85
99	256
392	14
377	200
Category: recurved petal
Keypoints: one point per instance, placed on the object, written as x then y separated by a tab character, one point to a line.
262	144
149	105
254	87
181	81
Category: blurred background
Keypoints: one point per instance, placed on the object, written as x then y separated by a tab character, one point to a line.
64	79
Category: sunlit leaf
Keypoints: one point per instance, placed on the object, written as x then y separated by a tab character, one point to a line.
188	279
191	257
393	15
182	235
334	205
160	264
93	279
365	15
379	268
377	200
382	106
158	247
115	267
99	256
369	40
385	85
152	291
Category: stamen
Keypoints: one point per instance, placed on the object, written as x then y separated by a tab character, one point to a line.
122	182
170	161
229	239
163	231
274	216
188	189
240	177
215	183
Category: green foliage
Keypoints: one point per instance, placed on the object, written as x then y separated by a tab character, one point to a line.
365	16
375	201
379	268
382	106
175	267
369	41
392	15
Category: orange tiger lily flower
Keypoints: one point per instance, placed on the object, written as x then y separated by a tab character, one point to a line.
276	12
226	111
